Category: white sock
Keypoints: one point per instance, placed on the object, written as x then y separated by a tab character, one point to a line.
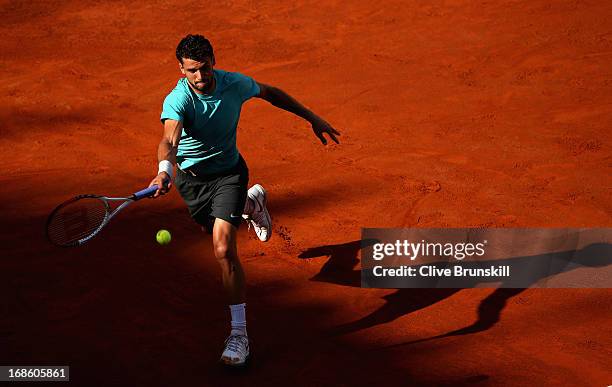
249	206
238	319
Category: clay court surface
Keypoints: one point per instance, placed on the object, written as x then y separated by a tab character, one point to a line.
452	114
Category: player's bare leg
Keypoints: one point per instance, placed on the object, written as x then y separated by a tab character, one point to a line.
236	352
226	252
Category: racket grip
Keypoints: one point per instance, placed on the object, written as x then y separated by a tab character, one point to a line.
145	192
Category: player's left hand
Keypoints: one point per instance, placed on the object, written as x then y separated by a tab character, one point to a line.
320	126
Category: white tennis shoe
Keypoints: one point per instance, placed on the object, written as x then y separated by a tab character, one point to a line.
260	218
236	352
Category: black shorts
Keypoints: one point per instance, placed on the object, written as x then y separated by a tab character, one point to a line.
221	195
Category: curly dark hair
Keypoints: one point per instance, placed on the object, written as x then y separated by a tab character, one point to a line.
195	47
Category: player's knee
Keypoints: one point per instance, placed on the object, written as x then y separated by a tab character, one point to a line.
222	252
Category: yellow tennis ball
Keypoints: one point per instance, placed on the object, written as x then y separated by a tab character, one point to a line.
163	237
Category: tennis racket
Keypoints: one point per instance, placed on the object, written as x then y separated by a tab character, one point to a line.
79	219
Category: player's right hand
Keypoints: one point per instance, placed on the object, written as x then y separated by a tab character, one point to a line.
164	182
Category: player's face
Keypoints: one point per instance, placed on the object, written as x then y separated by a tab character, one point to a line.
198	74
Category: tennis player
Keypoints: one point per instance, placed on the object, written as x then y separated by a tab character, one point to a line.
200	116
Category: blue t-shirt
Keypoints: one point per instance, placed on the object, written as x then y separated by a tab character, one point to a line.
209	121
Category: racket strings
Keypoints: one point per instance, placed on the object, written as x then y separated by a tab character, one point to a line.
77	220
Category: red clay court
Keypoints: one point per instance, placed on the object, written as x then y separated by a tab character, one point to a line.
452	114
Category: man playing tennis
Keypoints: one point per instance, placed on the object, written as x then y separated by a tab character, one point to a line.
200	116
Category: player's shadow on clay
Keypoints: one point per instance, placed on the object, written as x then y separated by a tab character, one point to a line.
340	269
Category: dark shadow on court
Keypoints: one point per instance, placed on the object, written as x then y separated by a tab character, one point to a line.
548	265
339	268
343	258
122	310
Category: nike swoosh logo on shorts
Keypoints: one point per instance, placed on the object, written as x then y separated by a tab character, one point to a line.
234	216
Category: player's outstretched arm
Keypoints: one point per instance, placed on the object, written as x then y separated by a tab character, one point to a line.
166	155
282	100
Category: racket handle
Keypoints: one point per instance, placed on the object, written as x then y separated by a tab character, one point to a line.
145	193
